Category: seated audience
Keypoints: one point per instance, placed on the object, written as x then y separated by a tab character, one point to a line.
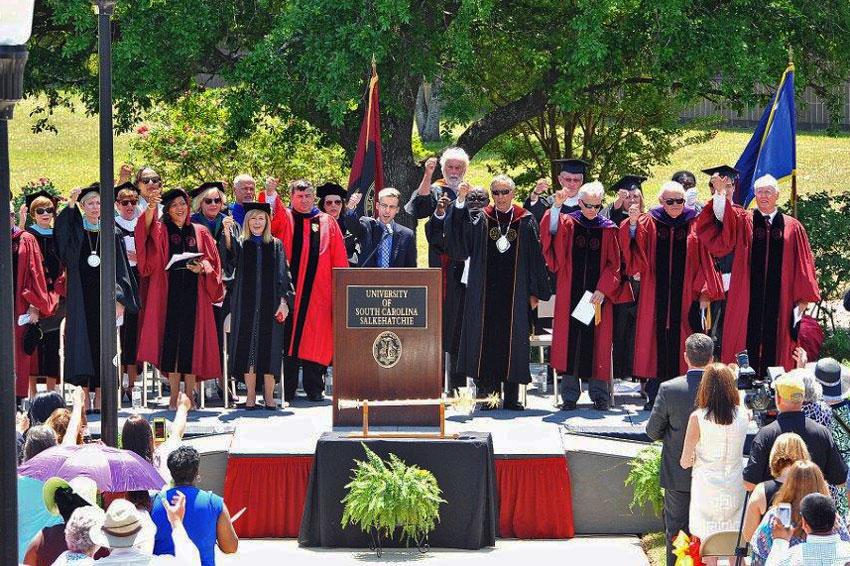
822	547
81	549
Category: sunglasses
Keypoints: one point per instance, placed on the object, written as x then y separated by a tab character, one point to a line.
150	180
128	202
672	201
39	211
501	193
333	201
596	206
212	201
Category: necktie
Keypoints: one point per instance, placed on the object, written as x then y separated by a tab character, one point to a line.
384	248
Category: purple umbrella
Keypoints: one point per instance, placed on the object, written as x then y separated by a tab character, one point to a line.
113	469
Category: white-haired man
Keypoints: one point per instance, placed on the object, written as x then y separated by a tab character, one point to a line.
678	282
572	175
383	242
772	280
583	250
423	202
507	273
244	190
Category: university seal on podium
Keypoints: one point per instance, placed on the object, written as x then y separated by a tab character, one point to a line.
387	349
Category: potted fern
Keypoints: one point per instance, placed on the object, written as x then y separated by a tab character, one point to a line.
389	497
645	479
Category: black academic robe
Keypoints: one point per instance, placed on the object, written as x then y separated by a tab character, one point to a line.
129	331
453	288
262	280
82	307
494	343
423	206
539	207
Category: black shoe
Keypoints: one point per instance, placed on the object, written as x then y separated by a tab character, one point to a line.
316	397
600	405
569	406
516	406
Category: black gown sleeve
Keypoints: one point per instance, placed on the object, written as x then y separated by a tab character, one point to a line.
539	283
283	277
228	257
68	232
458	229
126	286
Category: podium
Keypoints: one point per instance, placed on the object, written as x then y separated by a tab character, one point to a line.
387	343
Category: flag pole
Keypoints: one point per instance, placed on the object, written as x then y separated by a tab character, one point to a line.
793	171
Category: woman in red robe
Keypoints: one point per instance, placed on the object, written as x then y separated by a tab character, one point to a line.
678	281
31	297
582	249
177	331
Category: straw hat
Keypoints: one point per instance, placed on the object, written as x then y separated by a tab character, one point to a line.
123	527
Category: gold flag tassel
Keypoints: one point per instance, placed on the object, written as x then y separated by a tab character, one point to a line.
597	313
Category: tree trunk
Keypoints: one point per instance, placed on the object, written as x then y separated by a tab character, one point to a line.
428	110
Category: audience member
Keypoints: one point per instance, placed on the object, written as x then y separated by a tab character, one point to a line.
790	392
668	422
823	547
828	375
787	449
43	405
803	479
32	512
81	549
129	535
207	519
714	444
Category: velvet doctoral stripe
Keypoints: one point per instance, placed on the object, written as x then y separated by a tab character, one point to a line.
671	254
586	255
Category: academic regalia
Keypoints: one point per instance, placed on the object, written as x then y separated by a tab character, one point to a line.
585	256
82	319
453	292
45	360
314	246
262	280
772	270
494	344
352	246
154	247
128	333
30	290
423	206
675	269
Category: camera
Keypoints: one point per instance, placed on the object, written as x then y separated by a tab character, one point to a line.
759	391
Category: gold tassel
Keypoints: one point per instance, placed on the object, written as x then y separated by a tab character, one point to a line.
597	310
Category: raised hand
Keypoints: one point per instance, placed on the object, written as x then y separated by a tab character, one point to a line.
75	194
560	197
462	191
430	166
442	204
354	200
634	213
175	510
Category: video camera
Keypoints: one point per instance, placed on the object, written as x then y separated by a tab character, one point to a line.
759	396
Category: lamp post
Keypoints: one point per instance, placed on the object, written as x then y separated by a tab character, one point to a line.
15	30
108	335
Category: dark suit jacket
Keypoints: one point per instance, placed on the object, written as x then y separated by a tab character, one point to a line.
668	422
368	232
423	206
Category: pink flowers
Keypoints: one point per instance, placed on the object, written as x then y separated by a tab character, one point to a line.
143	131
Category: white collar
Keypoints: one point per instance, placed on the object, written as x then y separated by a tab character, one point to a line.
572	201
770	216
128	225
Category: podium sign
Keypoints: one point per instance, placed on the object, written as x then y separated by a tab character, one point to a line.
387	343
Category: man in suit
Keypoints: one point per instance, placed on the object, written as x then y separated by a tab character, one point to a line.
668	423
383	242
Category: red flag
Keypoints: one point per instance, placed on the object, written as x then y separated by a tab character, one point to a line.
367	170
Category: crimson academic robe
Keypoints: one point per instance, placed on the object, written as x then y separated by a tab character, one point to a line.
585	256
152	256
314	245
30	290
771	273
674	275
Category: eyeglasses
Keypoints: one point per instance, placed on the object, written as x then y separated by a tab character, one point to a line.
335	202
39	211
387	206
128	202
672	201
212	200
501	193
596	206
150	180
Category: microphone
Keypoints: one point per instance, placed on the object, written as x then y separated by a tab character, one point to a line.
387	233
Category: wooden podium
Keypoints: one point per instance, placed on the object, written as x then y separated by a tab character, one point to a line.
388	343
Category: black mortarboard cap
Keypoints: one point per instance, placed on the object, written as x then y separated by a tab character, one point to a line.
330	189
723	171
126	186
195	193
169	196
572	166
93	188
264	206
30	198
629	183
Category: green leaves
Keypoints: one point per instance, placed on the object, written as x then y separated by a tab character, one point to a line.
645	479
389	496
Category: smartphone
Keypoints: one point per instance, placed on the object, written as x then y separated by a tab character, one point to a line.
160	433
783	512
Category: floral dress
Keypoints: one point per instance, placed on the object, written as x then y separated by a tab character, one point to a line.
763	537
822	413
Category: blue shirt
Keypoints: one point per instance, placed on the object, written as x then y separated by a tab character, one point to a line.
202	511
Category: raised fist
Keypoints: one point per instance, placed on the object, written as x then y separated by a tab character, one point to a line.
431	165
354	200
634	213
560	197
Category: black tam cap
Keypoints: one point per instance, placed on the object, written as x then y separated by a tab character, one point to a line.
93	188
29	199
572	166
126	186
263	206
723	171
629	183
169	196
195	193
330	189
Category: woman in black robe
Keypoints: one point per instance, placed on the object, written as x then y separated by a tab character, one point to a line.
126	204
261	297
78	237
41	206
332	202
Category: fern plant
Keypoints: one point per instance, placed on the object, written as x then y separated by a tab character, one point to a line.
645	479
386	496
